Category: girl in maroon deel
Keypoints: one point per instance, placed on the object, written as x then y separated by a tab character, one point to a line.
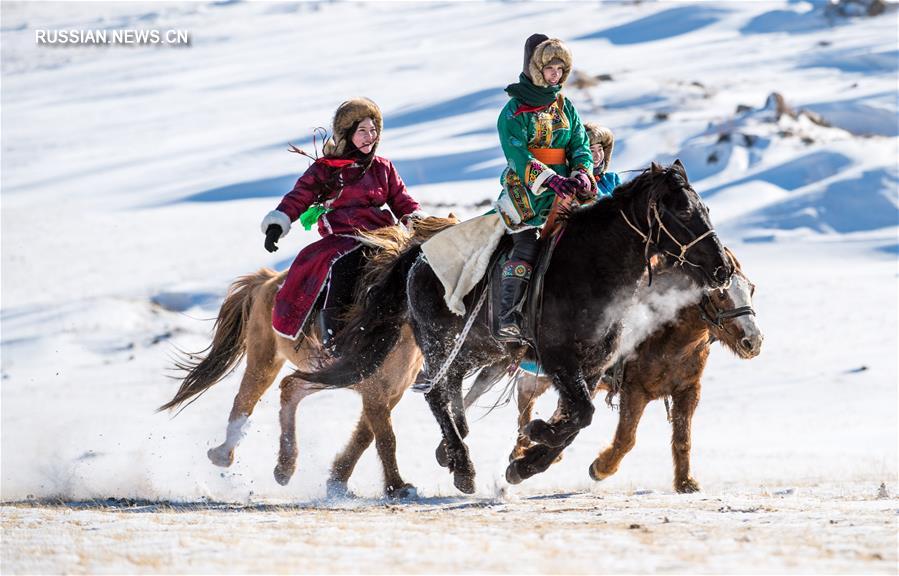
345	191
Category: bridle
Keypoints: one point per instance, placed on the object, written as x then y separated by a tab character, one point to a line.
716	316
652	212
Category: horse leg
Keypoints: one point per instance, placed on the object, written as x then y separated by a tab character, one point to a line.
684	405
345	462
529	389
440	399
576	411
551	438
484	382
535	459
263	366
631	406
377	412
293	390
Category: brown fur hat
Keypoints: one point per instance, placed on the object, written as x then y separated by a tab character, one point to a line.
347	114
545	52
604	137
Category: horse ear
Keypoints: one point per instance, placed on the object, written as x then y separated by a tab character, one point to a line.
656	168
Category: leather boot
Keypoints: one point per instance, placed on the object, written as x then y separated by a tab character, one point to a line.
329	324
516	276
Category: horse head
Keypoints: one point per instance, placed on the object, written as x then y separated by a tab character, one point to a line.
729	314
676	223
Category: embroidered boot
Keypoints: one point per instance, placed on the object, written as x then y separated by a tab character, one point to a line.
516	276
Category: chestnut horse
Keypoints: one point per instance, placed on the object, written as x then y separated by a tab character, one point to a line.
244	328
669	363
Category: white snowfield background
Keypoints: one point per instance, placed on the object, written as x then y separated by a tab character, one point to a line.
134	179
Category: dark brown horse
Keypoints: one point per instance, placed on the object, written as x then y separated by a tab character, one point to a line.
669	363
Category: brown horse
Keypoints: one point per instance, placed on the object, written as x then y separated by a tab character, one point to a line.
669	363
244	328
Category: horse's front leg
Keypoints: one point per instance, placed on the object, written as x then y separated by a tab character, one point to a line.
440	399
682	410
631	405
293	390
576	410
551	438
529	389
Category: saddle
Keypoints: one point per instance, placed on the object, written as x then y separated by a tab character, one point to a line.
532	301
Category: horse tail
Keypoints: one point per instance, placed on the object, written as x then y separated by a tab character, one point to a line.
229	341
372	329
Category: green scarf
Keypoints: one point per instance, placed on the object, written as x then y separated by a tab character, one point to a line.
529	94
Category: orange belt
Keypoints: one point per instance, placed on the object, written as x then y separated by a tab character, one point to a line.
549	155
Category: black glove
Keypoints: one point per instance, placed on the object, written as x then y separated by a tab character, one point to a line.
272	234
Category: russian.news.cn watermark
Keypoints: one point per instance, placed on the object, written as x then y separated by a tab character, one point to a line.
120	37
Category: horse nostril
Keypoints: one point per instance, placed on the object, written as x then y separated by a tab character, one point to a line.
721	275
746	343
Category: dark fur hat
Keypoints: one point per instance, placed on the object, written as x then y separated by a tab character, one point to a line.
348	114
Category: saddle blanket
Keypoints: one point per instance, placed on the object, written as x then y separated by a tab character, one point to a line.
460	255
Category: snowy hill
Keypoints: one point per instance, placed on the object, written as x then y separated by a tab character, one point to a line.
134	180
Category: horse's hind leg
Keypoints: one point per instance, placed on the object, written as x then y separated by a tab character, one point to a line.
681	422
343	465
263	366
377	410
293	390
631	406
440	400
484	382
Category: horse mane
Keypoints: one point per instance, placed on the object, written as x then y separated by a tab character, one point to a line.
650	181
386	245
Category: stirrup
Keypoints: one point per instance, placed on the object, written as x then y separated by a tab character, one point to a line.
509	331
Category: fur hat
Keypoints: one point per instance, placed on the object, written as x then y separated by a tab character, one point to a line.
603	136
549	51
347	114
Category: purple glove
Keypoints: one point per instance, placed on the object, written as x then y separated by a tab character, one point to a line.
563	187
583	183
584	186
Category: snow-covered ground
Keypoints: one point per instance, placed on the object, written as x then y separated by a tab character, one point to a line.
133	182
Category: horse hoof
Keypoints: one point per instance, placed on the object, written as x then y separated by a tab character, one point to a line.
404	492
220	456
512	475
442	456
337	489
595	474
283	474
687	486
464	482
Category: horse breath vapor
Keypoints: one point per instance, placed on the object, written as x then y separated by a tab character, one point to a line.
642	312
